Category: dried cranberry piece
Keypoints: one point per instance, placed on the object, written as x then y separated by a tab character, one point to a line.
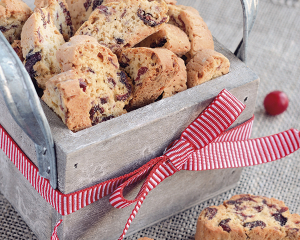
103	9
43	18
245	216
123	97
141	72
104	100
254	224
259	208
112	62
31	60
67	17
124	61
148	19
279	218
60	28
112	81
123	14
87	4
3	29
107	118
94	110
158	43
119	40
210	213
82	84
96	3
283	209
48	21
224	225
91	70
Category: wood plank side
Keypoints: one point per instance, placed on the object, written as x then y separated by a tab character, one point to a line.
32	207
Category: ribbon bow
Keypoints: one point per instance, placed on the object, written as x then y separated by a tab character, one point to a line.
204	145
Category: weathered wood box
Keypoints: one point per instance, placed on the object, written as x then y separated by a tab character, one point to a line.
119	146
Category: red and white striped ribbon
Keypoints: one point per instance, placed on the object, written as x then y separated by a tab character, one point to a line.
202	146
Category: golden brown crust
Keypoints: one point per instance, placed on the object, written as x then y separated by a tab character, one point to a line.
64	95
178	83
41	38
206	65
189	20
13	15
151	70
60	15
169	37
250	217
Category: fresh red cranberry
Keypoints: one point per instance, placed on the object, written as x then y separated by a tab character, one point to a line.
276	102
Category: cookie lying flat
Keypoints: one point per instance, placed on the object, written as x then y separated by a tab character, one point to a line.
169	37
248	217
99	77
178	83
40	40
16	45
123	24
80	10
151	70
13	15
206	65
189	20
60	14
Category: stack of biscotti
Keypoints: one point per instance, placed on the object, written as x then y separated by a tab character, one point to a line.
250	217
147	50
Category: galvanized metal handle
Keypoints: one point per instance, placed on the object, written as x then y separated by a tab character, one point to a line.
24	105
249	15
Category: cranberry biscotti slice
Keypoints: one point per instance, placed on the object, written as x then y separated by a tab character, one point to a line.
80	10
60	15
169	37
151	70
99	78
40	40
189	20
13	15
123	24
248	217
206	65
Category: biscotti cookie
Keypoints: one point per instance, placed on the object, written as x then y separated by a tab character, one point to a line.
169	37
13	15
108	88
248	217
65	96
178	83
123	24
40	40
80	10
60	14
206	65
151	70
189	20
18	49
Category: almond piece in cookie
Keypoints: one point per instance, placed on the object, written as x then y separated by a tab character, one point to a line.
60	15
123	24
13	15
206	65
189	20
169	37
248	217
151	70
40	40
